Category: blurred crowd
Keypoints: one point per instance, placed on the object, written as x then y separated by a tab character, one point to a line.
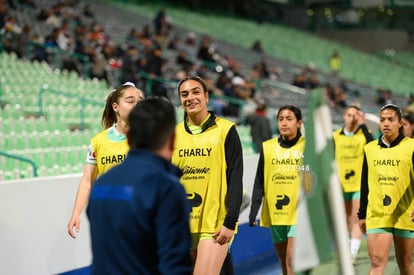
68	35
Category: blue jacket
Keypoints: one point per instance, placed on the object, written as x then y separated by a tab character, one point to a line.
139	218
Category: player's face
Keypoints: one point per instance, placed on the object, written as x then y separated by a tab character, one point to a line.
126	102
389	124
193	98
288	124
408	128
351	117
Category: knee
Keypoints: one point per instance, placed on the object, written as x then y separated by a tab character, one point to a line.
378	261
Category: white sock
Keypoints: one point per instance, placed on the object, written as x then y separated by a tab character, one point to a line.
354	246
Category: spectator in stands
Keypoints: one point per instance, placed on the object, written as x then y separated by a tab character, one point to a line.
184	61
238	94
349	155
275	73
313	80
39	52
64	39
387	194
51	41
260	126
344	86
99	57
308	78
3	14
24	42
12	31
223	82
282	154
335	63
255	77
202	70
146	32
257	46
53	17
108	148
143	226
98	35
263	71
214	95
388	97
206	52
384	96
380	96
162	23
152	65
407	122
87	11
175	44
300	80
339	98
234	70
215	210
190	45
130	65
132	36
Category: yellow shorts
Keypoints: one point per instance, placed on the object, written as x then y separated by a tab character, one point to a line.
197	237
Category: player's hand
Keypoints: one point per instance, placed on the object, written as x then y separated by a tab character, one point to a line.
74	224
223	235
363	226
361	118
253	223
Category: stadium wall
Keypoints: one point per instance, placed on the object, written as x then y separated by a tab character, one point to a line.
34	214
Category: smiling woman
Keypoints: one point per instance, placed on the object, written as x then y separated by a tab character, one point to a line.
211	147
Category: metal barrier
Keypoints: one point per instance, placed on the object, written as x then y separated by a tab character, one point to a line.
20	158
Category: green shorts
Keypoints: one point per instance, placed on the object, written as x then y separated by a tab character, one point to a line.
280	233
197	237
350	196
406	234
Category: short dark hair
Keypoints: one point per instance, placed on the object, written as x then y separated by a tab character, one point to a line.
152	122
394	108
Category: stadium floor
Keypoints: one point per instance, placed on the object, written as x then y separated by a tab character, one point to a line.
267	264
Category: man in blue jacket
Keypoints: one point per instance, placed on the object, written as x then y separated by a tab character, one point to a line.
138	211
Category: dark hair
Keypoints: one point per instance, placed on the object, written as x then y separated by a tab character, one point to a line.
392	107
294	109
195	78
109	115
397	111
152	122
409	116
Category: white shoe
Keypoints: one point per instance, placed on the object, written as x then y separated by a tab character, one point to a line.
354	260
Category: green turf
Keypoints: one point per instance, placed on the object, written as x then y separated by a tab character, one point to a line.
363	264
